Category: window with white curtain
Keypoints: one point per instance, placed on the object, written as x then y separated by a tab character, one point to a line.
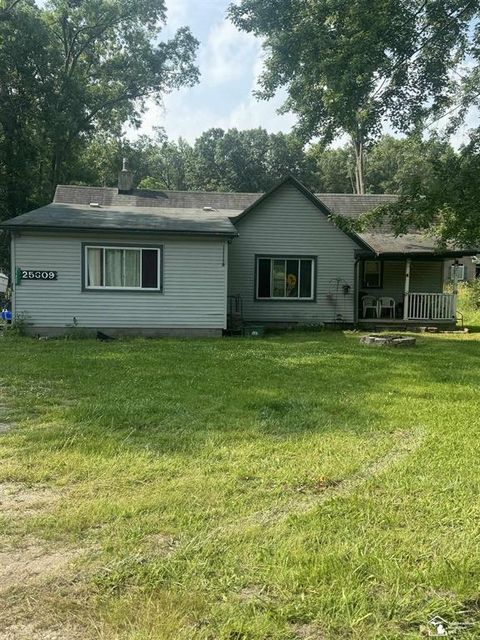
123	268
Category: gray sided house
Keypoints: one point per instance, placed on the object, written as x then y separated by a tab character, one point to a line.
125	261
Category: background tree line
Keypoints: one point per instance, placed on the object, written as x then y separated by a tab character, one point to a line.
254	161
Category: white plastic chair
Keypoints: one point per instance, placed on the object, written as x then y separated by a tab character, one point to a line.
369	302
386	303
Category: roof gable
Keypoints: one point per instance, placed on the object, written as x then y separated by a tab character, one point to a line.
310	196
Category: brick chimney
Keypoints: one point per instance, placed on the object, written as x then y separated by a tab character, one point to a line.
125	178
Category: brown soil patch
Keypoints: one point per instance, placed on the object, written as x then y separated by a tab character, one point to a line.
309	631
32	563
32	632
161	543
252	592
18	499
5	427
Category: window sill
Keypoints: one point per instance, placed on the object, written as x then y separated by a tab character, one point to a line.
119	290
285	299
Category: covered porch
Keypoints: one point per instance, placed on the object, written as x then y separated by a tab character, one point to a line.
404	291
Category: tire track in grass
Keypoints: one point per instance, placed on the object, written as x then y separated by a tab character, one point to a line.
406	442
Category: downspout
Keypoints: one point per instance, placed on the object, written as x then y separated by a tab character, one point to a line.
13	273
355	291
225	265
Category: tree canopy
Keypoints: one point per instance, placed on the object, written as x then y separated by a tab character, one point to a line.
350	67
75	67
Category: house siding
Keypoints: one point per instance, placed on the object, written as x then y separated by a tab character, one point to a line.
289	224
193	296
425	277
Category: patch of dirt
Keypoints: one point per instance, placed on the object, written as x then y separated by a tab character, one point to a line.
252	592
309	631
32	632
318	485
20	631
5	427
33	563
161	544
16	499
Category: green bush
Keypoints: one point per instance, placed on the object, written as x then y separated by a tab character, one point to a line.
469	295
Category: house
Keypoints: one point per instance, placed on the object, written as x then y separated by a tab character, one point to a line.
177	263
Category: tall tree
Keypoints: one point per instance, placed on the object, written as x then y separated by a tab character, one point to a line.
445	201
109	60
91	64
350	66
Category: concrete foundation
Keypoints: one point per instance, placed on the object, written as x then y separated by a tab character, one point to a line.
126	332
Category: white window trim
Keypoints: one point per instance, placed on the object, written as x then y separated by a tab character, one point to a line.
88	287
284	298
460	269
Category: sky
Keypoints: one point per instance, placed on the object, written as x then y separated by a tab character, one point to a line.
230	62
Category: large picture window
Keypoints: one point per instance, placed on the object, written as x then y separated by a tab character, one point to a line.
122	268
285	278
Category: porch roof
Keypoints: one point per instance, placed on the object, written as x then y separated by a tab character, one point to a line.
413	244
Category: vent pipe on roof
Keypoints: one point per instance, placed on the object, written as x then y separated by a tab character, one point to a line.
125	178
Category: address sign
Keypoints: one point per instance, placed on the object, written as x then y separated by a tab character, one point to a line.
33	274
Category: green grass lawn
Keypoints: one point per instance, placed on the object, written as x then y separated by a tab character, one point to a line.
297	486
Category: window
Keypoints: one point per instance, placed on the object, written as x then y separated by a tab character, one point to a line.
460	271
122	268
285	278
372	274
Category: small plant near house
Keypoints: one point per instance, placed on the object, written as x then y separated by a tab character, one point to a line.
18	327
74	332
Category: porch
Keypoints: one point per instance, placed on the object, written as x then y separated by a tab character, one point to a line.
405	292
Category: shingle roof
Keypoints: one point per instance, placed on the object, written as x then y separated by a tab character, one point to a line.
115	218
183	212
109	196
352	205
346	204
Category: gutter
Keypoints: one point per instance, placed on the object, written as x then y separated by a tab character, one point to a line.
419	254
15	227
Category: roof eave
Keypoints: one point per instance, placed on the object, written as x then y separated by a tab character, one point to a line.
391	255
26	227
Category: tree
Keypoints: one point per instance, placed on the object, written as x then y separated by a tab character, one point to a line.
100	60
250	160
108	63
445	202
350	66
396	165
331	170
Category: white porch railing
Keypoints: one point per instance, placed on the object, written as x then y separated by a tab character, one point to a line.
431	306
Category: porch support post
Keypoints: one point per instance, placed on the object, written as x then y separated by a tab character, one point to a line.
408	264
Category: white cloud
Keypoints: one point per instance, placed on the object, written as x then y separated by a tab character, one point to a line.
225	54
231	63
251	112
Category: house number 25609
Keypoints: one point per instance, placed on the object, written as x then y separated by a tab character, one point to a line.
38	275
